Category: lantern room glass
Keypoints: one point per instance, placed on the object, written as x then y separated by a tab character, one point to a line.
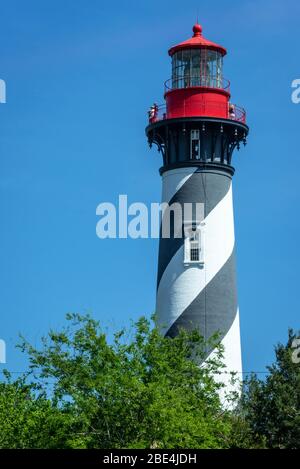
197	67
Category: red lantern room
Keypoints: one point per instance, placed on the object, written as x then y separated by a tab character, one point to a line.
197	86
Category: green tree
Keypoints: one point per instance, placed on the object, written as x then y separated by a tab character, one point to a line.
30	421
138	390
271	407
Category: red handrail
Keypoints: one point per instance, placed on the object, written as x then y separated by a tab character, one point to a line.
235	113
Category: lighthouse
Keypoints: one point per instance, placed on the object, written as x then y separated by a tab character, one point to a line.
196	131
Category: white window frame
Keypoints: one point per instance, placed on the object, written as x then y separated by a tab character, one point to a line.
189	228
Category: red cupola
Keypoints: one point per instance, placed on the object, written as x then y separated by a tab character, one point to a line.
196	42
197	87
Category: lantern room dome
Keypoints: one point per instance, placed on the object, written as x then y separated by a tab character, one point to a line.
197	41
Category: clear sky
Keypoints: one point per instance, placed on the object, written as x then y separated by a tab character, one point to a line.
80	76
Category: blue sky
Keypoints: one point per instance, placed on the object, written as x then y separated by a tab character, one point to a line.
80	77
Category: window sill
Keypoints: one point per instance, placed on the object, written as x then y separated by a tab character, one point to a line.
193	263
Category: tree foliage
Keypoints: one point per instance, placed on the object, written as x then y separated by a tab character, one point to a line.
272	406
30	421
141	390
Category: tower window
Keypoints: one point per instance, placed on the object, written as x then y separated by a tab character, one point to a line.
193	245
195	145
194	249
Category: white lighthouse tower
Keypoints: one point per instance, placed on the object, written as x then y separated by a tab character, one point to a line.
197	131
